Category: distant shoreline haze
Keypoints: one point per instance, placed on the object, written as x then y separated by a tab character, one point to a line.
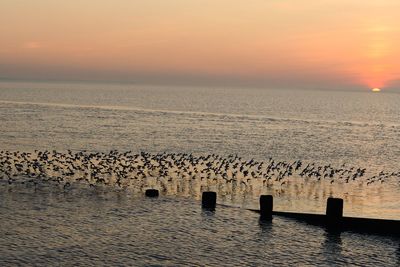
6	82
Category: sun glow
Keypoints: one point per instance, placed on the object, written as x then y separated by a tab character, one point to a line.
282	43
376	90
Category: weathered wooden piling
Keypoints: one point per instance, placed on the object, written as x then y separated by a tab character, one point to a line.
209	200
334	209
266	207
334	213
151	193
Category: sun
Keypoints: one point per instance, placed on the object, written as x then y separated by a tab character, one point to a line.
376	90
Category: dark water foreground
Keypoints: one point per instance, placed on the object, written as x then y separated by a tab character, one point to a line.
94	227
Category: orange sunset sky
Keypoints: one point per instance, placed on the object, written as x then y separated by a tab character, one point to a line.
301	43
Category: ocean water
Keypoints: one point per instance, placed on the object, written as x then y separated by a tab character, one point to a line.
340	131
114	229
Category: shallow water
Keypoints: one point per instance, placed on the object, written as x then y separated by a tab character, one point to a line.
59	219
92	228
237	182
358	129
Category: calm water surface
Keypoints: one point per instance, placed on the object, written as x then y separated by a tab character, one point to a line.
358	129
107	228
352	129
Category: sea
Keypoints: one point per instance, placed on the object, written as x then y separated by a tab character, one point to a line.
348	131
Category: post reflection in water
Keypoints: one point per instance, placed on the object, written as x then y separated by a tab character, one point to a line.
332	246
398	253
266	226
207	214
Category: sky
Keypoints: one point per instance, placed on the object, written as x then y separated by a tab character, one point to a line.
297	43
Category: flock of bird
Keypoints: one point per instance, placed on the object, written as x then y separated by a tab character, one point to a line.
169	171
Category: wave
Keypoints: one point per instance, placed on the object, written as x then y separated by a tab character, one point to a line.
207	114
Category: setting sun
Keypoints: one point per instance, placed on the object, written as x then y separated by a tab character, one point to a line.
376	89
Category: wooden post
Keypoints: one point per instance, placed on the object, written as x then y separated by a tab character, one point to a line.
151	193
334	213
266	207
334	208
209	200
